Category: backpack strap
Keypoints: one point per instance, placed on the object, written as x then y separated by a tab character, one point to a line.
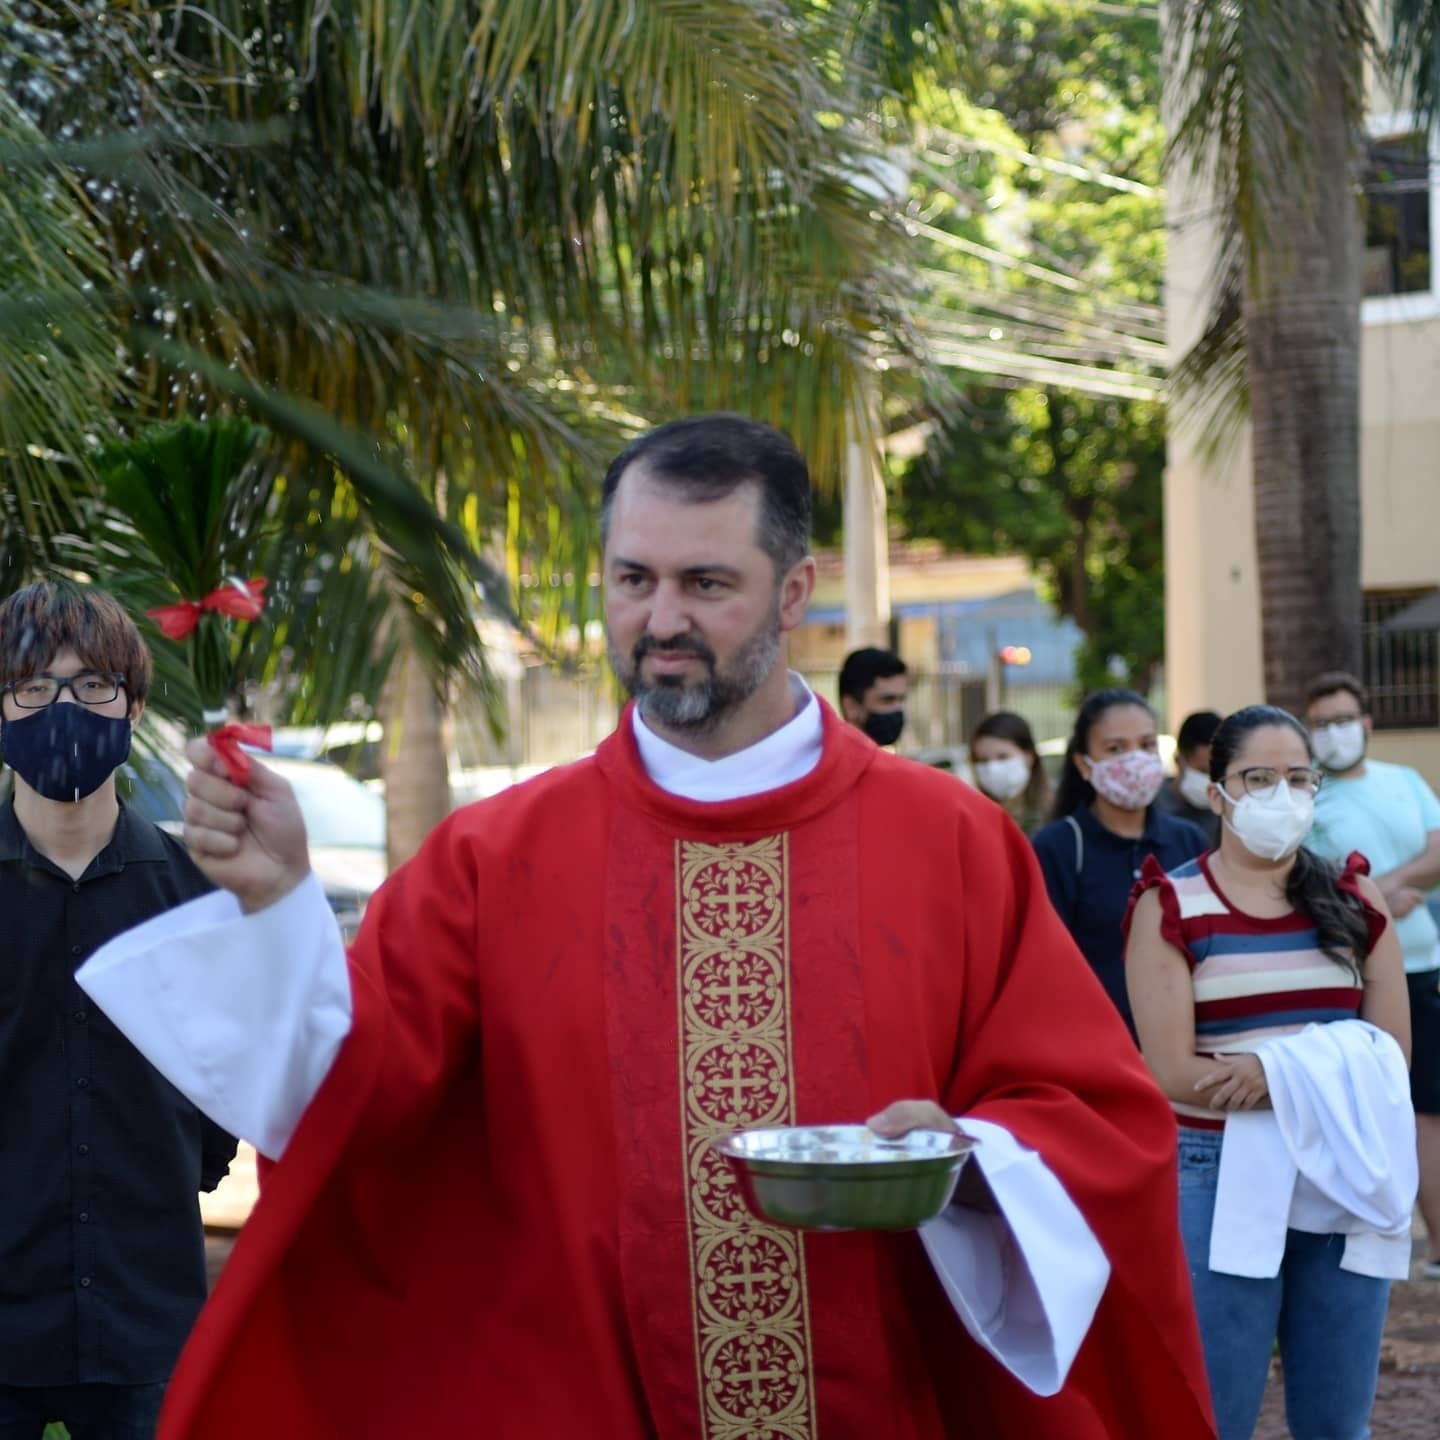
1074	824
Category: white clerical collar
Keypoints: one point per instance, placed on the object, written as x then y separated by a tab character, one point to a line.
787	754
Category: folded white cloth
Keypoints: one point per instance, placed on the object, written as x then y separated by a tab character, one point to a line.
1334	1156
244	1014
1025	1283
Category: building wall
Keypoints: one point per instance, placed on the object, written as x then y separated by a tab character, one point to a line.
1213	657
1400	452
1212	593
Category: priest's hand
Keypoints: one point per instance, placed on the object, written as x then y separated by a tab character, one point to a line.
249	840
906	1115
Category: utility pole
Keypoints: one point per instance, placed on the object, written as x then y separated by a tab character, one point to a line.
867	536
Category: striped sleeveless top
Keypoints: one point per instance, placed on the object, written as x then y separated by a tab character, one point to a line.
1254	978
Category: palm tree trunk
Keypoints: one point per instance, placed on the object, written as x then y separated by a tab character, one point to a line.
1302	332
417	780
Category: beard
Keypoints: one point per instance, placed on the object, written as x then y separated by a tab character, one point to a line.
697	707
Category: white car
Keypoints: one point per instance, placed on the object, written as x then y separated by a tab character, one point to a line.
344	820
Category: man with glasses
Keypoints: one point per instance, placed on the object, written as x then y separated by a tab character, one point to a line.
102	1259
1389	814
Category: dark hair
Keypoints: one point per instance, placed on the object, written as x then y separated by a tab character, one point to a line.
1074	790
862	668
1341	930
707	457
1196	730
52	615
1332	682
1007	725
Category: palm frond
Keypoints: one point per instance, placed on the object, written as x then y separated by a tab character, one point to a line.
1244	79
1413	58
57	346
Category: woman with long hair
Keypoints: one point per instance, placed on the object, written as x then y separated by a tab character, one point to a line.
1104	827
1242	964
1007	768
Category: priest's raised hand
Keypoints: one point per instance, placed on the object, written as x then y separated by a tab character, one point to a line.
249	840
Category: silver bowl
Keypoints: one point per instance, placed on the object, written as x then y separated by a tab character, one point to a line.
845	1177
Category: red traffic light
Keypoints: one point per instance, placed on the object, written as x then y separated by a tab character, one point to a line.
1015	654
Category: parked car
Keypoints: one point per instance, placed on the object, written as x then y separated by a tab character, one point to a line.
345	821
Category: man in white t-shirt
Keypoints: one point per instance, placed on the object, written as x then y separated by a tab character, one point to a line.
1389	814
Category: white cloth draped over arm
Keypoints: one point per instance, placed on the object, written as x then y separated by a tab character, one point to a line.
1025	1283
243	1014
1334	1155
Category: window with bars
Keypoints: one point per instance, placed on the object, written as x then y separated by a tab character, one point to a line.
1401	667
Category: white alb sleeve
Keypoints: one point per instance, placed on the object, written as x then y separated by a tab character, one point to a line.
243	1014
1025	1283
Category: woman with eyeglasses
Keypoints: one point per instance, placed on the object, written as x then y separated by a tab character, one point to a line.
1270	1002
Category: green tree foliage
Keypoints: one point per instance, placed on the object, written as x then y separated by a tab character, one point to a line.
1073	482
1045	173
473	244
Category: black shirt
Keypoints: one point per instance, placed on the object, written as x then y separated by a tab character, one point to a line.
1171	802
1090	876
102	1256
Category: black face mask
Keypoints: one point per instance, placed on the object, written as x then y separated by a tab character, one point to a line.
884	726
65	752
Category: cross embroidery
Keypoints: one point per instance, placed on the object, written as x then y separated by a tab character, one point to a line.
755	1375
747	1278
737	1083
731	989
732	898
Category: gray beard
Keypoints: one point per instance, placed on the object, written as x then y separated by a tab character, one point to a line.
698	708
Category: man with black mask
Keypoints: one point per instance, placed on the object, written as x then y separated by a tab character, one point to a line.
873	685
101	1247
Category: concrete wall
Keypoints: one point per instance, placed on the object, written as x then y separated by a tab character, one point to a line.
1212	628
1400	448
1420	748
1212	596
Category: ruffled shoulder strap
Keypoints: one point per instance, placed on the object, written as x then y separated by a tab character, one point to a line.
1348	880
1153	877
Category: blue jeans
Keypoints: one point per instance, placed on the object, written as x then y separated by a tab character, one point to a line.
1329	1322
89	1412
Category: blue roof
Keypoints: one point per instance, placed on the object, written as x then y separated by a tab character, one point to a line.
968	629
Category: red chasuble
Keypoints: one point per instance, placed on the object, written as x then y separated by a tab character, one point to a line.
501	1218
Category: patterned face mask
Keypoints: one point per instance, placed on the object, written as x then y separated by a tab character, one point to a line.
1129	781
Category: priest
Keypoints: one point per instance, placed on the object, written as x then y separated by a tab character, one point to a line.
494	1208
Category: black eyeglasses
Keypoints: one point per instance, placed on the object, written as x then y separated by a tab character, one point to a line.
1262	779
89	687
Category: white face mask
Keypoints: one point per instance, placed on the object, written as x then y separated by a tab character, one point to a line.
1195	788
1274	825
1340	747
1003	779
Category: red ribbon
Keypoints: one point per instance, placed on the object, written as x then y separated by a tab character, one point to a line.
239	599
226	742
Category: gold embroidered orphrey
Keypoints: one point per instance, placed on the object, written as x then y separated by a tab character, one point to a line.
747	1279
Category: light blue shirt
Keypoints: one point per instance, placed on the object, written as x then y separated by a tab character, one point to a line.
1386	814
